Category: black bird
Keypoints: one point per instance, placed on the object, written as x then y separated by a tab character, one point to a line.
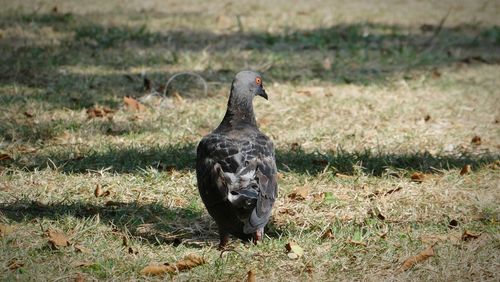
236	167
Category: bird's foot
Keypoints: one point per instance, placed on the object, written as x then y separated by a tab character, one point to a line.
224	238
258	236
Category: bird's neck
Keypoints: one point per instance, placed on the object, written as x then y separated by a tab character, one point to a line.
239	112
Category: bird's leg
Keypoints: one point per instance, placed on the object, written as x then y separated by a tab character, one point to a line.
258	235
224	238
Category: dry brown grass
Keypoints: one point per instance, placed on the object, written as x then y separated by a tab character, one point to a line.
362	96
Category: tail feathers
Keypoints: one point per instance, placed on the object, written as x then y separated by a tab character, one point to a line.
255	222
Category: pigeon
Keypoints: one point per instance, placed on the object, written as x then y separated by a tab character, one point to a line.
236	167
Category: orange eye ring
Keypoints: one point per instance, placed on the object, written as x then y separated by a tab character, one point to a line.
258	80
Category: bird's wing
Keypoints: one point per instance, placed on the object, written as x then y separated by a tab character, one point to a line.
244	171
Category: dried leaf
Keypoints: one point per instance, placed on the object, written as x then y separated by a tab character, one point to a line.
294	250
319	197
57	239
14	264
156	269
5	157
328	234
468	235
98	192
299	193
295	146
79	278
357	243
81	249
476	140
250	276
97	111
418	177
422	256
5	230
132	104
189	261
465	170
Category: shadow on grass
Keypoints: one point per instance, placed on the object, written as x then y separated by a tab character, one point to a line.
345	53
152	222
182	157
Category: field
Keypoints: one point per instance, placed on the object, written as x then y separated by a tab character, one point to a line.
385	117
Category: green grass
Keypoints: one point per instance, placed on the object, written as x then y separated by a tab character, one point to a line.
361	97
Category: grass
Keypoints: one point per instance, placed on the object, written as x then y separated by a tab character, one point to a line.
361	98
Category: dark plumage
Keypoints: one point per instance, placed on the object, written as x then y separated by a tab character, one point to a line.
236	168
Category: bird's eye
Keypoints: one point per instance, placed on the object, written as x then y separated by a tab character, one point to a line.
258	80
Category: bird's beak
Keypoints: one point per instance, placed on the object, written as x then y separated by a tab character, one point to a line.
262	93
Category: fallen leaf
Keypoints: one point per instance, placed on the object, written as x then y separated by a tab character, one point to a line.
465	170
98	192
5	157
294	250
295	146
357	243
81	249
5	230
250	276
124	240
14	264
57	239
79	278
319	197
418	177
132	104
97	111
189	261
156	269
422	256
299	193
468	235
476	140
328	234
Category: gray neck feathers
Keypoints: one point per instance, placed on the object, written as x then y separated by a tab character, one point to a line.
239	109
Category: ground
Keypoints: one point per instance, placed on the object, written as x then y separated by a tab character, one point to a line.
375	109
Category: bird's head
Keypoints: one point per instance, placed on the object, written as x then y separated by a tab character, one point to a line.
249	84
